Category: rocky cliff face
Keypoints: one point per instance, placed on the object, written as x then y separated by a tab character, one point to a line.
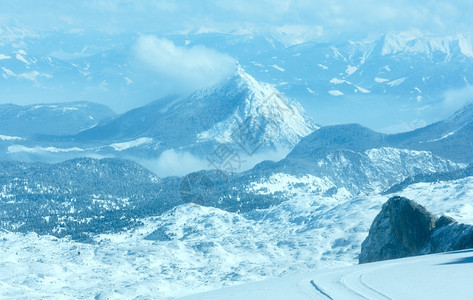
405	228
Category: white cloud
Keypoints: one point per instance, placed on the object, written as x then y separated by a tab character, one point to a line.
188	68
404	126
180	163
174	163
455	99
297	34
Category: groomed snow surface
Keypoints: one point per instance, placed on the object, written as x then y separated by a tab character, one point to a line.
196	249
437	276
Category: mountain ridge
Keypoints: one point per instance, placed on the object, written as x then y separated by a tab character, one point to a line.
451	138
52	118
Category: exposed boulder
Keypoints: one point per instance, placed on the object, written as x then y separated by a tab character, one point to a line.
405	228
401	228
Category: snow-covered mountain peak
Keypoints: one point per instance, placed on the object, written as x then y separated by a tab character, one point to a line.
259	92
263	110
246	79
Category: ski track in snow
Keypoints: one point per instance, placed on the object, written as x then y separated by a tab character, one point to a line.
437	276
354	282
320	290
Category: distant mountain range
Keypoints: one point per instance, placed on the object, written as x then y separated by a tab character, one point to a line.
53	119
406	71
410	66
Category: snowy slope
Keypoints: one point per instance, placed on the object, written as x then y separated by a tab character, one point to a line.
192	249
438	276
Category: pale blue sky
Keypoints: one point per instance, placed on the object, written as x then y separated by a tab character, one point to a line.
322	19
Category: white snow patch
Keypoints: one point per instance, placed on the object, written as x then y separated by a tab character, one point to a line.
131	144
351	69
67	108
340	81
10	138
3	56
8	73
37	149
32	75
257	64
311	91
278	68
335	93
323	66
442	137
396	82
21	58
128	80
58	107
337	81
466	46
380	80
363	90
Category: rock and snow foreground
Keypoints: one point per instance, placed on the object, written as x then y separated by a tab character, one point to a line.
193	249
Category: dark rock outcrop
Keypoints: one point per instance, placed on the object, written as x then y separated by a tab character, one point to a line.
401	228
405	228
